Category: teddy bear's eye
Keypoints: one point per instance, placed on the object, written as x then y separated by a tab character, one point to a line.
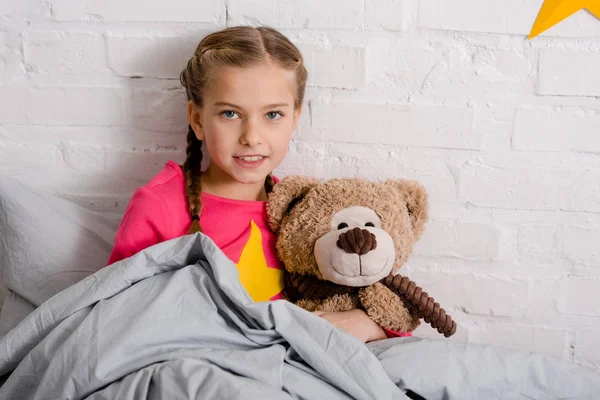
370	224
342	225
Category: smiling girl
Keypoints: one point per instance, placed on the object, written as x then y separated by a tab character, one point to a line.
245	88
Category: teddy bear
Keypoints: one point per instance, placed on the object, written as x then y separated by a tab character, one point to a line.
342	242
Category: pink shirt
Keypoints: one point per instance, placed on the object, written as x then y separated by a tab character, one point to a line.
158	211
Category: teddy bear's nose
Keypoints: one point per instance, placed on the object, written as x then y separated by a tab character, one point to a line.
357	241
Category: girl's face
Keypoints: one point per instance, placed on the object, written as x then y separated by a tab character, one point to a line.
246	121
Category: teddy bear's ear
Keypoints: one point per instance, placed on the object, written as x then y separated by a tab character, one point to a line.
417	202
285	195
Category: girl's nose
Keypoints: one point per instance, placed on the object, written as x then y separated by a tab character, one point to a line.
251	135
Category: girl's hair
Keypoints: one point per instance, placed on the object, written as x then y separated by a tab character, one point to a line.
237	46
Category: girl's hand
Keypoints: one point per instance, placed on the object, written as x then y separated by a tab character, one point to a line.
355	322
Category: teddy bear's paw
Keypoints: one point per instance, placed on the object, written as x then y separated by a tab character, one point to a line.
385	308
414	323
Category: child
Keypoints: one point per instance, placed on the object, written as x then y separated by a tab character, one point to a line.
245	87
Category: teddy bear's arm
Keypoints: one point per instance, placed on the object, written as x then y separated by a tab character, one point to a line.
336	303
421	304
385	308
310	305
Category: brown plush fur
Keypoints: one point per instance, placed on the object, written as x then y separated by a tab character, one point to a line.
320	201
340	302
386	309
300	212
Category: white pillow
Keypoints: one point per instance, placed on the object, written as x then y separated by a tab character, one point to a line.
48	243
14	310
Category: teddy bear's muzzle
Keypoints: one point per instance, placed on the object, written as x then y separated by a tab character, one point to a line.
355	256
357	241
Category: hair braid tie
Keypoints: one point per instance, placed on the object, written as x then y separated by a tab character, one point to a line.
419	303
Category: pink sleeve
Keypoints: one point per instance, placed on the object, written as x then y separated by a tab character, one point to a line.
390	333
145	223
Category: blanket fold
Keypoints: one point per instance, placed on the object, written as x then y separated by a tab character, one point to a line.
174	320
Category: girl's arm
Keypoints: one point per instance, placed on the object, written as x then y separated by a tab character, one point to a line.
356	322
144	224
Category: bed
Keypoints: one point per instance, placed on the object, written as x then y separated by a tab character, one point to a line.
173	321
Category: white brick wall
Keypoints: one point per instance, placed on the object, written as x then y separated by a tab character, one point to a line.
137	10
308	14
408	125
569	73
544	128
503	132
65	53
342	66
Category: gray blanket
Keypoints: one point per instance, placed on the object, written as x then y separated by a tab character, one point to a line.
173	322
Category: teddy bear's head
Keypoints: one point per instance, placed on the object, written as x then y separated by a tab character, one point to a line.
350	231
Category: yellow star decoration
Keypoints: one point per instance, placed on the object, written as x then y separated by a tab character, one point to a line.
554	11
260	281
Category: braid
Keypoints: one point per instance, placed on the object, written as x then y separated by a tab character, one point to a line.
193	187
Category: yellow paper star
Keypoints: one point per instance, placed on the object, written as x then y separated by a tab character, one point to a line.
260	281
554	11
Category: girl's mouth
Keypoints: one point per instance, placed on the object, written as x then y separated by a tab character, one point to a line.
250	161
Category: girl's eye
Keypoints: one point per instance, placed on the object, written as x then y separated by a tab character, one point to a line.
229	114
274	115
